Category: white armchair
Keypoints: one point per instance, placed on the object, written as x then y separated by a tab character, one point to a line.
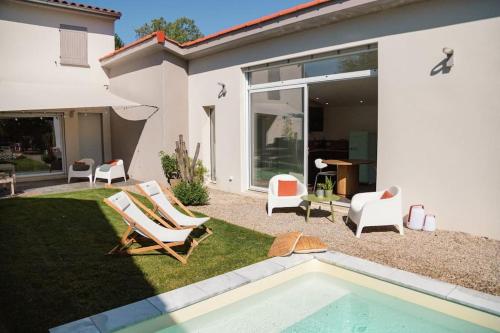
275	201
82	173
110	171
368	209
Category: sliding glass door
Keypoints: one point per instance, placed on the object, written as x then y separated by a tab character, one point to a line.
277	131
32	143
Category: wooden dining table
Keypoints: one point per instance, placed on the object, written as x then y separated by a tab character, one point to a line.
347	175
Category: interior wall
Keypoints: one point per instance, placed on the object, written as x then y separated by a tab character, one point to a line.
339	121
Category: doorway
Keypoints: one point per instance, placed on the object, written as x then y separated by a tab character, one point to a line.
90	136
343	125
288	120
277	123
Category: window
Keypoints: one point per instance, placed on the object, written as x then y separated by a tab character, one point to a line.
349	60
73	45
33	144
282	73
341	64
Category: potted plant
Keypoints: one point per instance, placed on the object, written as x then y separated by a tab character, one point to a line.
329	187
320	190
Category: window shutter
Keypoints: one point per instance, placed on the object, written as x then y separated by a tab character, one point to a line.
73	45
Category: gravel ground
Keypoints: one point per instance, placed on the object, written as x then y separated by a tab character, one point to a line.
455	257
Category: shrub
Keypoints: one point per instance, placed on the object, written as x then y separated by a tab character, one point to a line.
48	157
169	165
192	194
200	171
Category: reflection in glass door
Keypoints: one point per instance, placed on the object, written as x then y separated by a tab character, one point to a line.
277	134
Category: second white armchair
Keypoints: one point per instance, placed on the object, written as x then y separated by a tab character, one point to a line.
110	170
369	209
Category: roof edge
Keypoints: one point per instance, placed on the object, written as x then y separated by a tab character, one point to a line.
257	21
160	39
249	24
75	6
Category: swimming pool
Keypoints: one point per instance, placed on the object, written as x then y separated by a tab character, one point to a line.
317	297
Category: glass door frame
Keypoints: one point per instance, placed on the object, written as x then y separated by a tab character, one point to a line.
281	85
305	106
44	114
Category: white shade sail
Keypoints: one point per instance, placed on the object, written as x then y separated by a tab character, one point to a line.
23	96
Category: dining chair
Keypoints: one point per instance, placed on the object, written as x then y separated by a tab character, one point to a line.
321	165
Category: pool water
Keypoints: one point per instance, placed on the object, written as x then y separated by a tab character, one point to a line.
317	302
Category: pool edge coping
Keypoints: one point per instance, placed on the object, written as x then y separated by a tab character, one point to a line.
151	307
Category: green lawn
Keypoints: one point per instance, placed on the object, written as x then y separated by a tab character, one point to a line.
53	267
29	165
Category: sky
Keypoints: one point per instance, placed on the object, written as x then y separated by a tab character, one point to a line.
210	15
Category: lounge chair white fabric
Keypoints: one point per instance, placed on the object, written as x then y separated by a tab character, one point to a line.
275	201
140	224
368	209
110	171
159	197
84	173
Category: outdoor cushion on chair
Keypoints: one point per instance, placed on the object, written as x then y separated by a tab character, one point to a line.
369	209
114	169
274	200
287	188
80	166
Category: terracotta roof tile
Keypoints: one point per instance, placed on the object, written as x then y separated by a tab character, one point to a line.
159	35
76	5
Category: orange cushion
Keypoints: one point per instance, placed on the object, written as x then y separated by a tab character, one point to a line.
386	195
287	188
112	162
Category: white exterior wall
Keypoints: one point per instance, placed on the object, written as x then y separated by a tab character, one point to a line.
29	36
30	51
438	135
157	79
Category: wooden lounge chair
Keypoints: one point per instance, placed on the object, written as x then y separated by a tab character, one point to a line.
159	196
139	224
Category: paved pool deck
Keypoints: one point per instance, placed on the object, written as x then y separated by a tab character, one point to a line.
171	301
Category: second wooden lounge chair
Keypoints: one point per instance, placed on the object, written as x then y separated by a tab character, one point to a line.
139	224
159	196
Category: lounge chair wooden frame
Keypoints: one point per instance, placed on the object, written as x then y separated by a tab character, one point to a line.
130	235
172	197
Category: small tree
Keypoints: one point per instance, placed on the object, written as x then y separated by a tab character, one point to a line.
181	30
118	42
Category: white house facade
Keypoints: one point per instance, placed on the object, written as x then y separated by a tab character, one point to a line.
413	82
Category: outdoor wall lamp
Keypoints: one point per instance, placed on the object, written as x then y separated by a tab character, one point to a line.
222	92
449	56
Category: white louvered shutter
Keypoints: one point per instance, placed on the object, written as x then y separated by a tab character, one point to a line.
73	45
